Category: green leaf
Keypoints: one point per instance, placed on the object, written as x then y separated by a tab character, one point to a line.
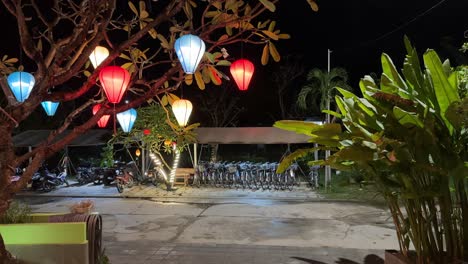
291	158
446	94
199	80
390	70
269	5
223	63
407	118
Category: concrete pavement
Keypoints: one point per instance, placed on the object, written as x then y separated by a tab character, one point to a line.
237	230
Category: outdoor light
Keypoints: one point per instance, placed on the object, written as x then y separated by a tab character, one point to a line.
21	84
182	109
146	132
189	49
174	167
126	119
102	122
114	80
242	71
138	152
98	55
158	163
50	107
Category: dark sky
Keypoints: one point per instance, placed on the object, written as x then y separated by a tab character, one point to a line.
357	32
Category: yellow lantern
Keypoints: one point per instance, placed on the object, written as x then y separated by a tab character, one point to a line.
182	109
138	152
98	55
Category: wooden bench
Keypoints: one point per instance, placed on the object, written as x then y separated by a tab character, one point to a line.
182	176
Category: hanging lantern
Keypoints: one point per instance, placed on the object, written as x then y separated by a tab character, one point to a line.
50	107
189	49
98	55
182	109
242	71
102	122
114	80
21	84
146	132
126	119
138	152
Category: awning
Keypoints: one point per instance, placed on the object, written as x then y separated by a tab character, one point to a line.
248	135
33	138
205	135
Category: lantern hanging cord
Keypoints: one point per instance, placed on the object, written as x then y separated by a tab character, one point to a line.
115	122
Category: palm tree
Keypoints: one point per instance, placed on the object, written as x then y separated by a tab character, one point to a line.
319	90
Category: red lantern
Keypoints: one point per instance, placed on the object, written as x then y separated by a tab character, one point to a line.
114	80
242	71
146	132
104	119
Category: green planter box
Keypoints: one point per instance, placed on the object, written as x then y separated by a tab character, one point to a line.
44	243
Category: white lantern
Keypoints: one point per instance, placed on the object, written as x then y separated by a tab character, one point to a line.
189	49
182	109
98	55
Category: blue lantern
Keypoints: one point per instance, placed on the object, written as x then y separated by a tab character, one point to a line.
126	119
21	84
189	49
50	107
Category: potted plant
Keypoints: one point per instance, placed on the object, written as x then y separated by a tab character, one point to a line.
408	134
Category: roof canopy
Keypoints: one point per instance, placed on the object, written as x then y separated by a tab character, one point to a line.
248	135
205	135
33	138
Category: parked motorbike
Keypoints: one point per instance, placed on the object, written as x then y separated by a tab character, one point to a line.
104	175
44	180
84	175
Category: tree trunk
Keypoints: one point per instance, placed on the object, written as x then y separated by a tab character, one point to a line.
5	256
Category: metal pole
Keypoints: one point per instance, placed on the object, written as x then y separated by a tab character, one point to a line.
327	152
195	158
143	159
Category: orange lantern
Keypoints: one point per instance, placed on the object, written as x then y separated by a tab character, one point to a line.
242	71
104	119
114	80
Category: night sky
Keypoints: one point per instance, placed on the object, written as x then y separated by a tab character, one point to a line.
357	32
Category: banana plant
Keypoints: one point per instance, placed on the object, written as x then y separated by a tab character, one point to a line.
409	135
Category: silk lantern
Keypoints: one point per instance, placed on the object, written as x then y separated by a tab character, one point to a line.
126	119
114	80
182	109
98	55
102	122
50	107
189	49
242	71
21	84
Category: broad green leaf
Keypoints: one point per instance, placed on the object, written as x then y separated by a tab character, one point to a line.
206	75
269	5
265	55
164	100
346	93
445	93
210	57
291	158
274	52
407	118
390	70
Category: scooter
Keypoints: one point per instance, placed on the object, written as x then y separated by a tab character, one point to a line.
44	180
